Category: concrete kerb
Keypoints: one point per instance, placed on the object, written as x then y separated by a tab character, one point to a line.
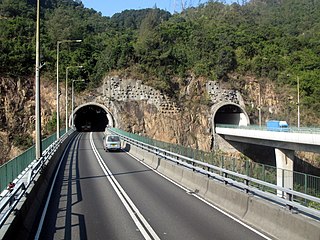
25	224
270	218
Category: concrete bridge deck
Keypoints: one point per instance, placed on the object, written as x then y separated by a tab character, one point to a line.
298	140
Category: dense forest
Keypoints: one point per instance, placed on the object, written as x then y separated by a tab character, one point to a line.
278	40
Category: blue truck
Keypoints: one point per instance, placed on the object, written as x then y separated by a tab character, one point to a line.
277	126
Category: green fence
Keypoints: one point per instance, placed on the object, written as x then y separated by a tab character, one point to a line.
304	183
11	169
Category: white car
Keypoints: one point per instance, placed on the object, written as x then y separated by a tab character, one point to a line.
112	142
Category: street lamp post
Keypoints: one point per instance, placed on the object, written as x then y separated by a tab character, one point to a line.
72	101
259	105
67	93
37	83
298	101
58	91
259	95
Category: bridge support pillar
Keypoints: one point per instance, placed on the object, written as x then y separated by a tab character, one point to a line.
284	160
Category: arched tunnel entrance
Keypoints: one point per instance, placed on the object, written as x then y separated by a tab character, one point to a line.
92	117
227	113
230	113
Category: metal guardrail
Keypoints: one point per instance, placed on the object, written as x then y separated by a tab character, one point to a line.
247	184
11	169
10	199
302	182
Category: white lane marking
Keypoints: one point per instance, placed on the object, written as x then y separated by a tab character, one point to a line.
188	191
44	212
133	211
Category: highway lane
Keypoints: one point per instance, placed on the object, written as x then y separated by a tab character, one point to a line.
85	206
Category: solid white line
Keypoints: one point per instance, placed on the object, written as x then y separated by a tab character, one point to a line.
202	199
44	212
126	201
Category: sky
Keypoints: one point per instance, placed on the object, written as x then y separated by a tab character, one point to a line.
110	7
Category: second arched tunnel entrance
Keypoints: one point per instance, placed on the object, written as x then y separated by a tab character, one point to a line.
230	113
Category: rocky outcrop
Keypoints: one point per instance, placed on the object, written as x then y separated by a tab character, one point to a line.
189	127
136	107
142	109
17	110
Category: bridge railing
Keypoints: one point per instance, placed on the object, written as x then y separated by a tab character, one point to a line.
13	168
283	196
292	129
10	198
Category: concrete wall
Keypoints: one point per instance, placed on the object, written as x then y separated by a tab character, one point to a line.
270	218
25	222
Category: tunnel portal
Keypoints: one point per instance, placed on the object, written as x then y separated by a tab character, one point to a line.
92	118
230	113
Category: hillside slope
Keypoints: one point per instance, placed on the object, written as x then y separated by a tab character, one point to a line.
271	44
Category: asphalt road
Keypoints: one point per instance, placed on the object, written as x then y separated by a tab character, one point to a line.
120	198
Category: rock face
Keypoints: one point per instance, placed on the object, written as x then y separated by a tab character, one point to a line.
136	107
17	110
141	109
188	127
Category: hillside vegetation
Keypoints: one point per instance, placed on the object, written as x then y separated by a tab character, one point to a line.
268	40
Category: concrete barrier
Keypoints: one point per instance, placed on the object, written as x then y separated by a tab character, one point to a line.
275	220
173	171
228	198
195	182
280	222
25	222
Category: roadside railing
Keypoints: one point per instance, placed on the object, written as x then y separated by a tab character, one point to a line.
11	169
282	196
302	182
11	197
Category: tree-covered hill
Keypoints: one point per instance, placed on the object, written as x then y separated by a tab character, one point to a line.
274	39
132	19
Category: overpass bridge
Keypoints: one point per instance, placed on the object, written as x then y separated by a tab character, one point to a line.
296	139
284	143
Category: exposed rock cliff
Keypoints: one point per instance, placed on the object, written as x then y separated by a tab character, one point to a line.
16	112
17	108
142	109
136	107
